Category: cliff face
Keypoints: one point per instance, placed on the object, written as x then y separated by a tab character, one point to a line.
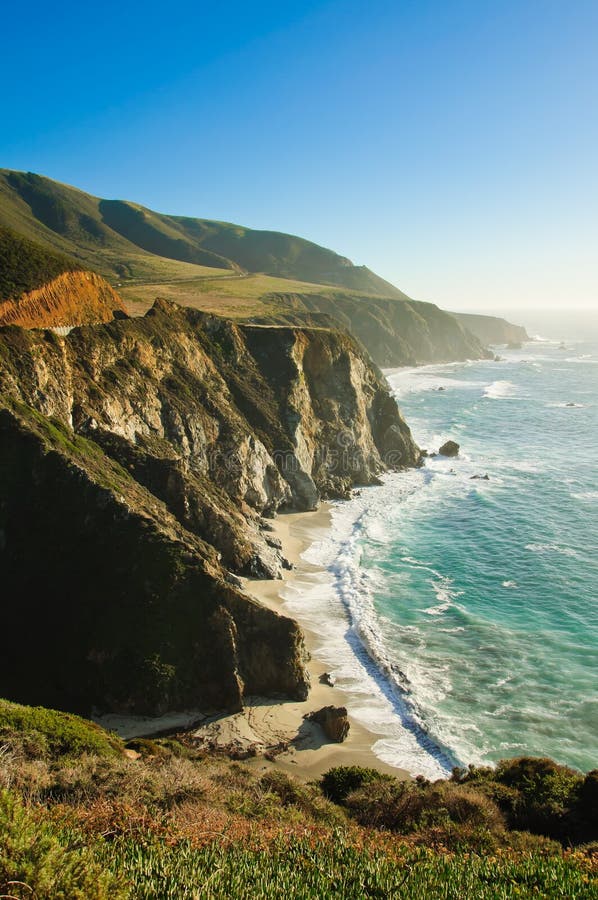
72	298
137	460
395	332
492	330
108	602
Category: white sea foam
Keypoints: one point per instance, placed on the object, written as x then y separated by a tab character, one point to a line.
500	390
337	605
410	380
510	584
587	496
551	548
444	595
566	405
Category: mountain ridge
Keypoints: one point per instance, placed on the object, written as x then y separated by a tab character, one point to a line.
90	227
227	269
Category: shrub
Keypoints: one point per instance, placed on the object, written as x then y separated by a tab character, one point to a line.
407	806
538	795
588	795
546	794
147	747
286	789
159	783
305	798
37	732
34	863
339	782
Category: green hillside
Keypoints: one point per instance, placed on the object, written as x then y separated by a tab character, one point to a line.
25	265
125	241
232	271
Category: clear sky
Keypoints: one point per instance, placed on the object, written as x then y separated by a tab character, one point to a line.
452	146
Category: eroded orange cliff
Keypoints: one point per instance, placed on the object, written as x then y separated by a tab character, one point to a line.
73	298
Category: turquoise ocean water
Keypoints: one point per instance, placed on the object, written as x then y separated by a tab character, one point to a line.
460	613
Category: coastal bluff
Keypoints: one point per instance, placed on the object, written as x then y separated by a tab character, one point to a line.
140	461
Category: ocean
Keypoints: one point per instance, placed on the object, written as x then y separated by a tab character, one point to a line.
461	613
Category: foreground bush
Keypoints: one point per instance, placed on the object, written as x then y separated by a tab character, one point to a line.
538	795
34	862
339	782
176	823
405	806
42	733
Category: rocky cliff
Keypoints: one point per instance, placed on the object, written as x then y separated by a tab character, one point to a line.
72	298
138	461
395	332
41	289
492	330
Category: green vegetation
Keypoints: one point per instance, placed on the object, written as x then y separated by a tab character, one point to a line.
177	823
125	241
25	265
37	732
537	795
341	781
527	794
36	860
337	868
230	270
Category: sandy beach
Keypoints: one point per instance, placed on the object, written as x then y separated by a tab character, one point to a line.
267	724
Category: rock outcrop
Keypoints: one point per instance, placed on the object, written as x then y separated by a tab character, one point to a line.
333	721
138	460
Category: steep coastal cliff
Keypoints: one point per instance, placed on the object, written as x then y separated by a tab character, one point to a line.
137	462
395	332
492	330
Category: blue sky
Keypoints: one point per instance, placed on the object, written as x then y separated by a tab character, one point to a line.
451	146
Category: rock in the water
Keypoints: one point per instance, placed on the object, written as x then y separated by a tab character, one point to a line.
480	478
451	448
327	678
333	721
